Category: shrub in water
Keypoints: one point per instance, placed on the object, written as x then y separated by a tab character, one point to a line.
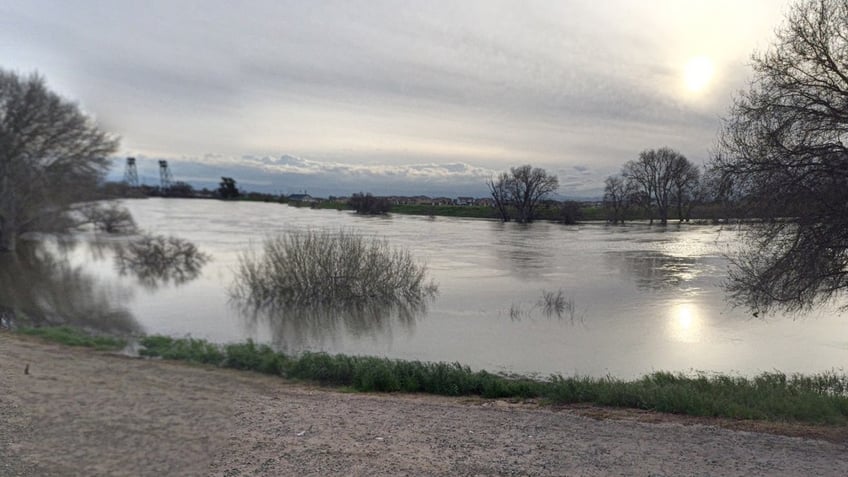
156	259
329	268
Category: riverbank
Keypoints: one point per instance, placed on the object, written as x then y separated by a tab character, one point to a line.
775	397
84	412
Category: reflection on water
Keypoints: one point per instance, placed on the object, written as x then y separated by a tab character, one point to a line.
39	286
157	260
653	270
685	323
298	327
524	255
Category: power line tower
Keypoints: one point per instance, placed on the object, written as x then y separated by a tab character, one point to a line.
165	177
131	173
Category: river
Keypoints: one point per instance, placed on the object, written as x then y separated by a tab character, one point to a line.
638	298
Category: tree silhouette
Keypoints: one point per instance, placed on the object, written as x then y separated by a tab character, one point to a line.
782	150
227	188
51	155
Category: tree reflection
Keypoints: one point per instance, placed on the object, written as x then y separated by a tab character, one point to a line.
521	247
655	270
295	327
40	287
158	260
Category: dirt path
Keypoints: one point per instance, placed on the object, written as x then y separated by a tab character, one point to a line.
79	412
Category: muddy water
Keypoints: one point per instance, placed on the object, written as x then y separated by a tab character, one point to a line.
633	299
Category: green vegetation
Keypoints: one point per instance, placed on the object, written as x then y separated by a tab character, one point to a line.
819	398
70	336
182	349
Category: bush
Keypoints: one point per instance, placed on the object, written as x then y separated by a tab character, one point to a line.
249	356
158	259
341	268
111	218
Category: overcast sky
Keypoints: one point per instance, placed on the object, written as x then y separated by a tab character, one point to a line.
398	96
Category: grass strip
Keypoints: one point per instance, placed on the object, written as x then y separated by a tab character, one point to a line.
70	336
819	398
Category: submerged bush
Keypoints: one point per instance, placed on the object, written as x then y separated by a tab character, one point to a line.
155	259
330	268
111	218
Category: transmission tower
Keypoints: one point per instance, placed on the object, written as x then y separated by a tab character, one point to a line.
165	176
131	173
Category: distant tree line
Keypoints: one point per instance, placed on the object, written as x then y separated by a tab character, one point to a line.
367	204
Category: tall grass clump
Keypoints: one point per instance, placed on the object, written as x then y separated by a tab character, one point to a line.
182	349
329	268
557	304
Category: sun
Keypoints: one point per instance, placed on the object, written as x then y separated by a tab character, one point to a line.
698	73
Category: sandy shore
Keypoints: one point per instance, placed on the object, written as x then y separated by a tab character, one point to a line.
79	412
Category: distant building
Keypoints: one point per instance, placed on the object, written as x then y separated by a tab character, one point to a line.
302	198
464	201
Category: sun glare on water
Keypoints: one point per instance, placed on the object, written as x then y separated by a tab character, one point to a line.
698	72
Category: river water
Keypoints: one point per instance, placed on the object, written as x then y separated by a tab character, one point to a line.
637	298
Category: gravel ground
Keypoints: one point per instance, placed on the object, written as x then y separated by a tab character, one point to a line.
79	412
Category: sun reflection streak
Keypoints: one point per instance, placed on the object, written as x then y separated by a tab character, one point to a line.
685	323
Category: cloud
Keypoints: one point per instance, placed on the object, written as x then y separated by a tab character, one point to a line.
393	89
289	174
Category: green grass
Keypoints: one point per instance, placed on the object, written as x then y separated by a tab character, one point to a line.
75	337
819	398
182	349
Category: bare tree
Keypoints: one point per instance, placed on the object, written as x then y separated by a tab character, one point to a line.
686	188
657	173
521	190
530	185
619	195
499	188
51	155
782	148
